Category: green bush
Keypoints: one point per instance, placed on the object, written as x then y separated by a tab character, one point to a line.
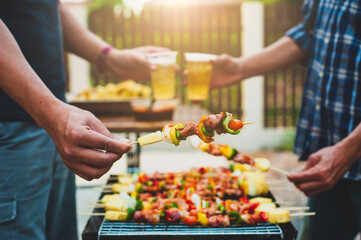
287	141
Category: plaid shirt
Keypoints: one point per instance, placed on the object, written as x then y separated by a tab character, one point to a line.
331	105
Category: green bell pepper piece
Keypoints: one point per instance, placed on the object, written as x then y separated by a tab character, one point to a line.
207	132
226	119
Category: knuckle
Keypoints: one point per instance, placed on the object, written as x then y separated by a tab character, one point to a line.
74	135
68	152
107	145
320	175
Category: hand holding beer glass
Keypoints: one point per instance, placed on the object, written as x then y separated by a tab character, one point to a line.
199	75
163	77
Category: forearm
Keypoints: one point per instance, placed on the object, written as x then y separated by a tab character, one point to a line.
351	145
20	82
78	39
281	54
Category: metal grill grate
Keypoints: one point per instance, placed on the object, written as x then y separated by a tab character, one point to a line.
123	230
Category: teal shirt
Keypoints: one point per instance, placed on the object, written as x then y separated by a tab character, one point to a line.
35	24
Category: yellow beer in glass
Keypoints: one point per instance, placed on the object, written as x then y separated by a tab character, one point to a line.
199	75
163	77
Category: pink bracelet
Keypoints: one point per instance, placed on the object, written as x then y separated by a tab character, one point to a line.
101	60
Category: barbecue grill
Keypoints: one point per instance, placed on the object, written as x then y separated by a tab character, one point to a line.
98	228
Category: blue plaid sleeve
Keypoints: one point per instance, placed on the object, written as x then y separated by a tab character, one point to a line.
301	36
302	33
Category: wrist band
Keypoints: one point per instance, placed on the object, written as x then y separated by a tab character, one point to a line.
101	60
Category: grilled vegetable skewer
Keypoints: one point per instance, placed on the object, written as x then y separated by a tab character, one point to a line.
213	213
232	154
205	130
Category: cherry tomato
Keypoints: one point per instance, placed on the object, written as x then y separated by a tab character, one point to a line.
243	200
191	220
192	207
235	124
264	216
253	207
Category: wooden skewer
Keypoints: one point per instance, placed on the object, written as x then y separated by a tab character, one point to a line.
275	182
91	214
302	214
284	202
296	208
135	142
279	170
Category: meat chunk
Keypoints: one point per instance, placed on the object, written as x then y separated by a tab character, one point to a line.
241	158
214	123
139	216
173	215
214	149
189	130
218	221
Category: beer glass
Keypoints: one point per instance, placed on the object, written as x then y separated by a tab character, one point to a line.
163	77
199	75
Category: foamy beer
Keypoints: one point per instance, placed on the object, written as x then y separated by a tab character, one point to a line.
199	75
163	78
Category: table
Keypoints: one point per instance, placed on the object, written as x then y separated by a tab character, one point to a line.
128	124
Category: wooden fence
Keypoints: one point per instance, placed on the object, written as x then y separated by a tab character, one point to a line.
283	89
195	28
211	29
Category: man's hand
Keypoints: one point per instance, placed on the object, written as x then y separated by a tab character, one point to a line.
84	143
226	71
132	63
324	168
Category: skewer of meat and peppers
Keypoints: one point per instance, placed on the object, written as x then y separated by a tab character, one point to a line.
205	130
232	154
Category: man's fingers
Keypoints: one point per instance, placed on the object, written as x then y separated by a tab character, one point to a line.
312	188
98	126
88	172
92	139
309	186
96	158
304	176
